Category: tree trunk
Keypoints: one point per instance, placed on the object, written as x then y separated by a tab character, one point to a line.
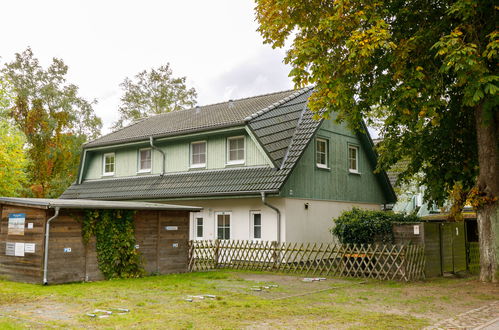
488	188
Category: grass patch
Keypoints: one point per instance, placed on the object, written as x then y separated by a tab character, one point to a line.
159	300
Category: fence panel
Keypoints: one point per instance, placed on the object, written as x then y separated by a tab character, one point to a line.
473	257
384	262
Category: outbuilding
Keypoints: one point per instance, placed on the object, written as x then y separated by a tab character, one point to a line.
41	239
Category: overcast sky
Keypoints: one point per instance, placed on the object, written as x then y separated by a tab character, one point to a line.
213	43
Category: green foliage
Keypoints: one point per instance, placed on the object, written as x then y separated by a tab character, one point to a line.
366	227
53	118
114	232
13	160
422	68
152	93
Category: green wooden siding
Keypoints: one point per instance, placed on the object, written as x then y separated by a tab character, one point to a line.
177	156
335	183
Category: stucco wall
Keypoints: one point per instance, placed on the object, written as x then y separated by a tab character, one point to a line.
297	223
313	224
241	209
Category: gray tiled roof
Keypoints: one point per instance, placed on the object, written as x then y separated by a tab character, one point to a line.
284	130
196	119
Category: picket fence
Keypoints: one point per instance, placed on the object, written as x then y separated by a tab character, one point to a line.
383	262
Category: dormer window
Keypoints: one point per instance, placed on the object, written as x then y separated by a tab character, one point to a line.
235	150
198	154
145	160
108	165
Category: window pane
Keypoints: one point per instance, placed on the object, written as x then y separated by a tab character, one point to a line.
257	219
321	152
145	159
198	153
199	227
109	164
352	158
236	149
258	232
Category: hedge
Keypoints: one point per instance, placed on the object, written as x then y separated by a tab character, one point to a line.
367	227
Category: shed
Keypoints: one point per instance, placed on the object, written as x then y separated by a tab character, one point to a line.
444	242
41	239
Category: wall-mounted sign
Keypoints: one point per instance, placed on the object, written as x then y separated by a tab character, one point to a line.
16	223
137	247
416	229
19	250
29	247
171	227
67	250
30	225
10	249
175	245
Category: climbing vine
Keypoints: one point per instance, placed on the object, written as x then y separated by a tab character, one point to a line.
115	242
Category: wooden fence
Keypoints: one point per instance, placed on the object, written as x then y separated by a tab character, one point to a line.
384	262
473	257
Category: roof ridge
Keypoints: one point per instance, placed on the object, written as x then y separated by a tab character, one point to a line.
222	102
190	109
300	120
278	103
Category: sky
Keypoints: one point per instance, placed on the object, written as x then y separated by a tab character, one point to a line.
213	43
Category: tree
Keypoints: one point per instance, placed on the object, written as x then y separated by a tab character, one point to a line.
428	69
152	93
12	158
53	118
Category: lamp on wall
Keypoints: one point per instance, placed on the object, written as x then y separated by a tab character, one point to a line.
306	206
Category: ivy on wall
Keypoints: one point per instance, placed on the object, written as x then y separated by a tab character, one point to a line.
114	232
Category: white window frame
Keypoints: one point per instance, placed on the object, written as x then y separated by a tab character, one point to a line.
200	165
147	170
326	149
239	161
252	225
356	148
104	156
196	227
216	223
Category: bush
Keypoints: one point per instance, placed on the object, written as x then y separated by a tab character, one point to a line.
367	227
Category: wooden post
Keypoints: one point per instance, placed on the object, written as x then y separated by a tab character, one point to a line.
275	254
216	253
158	235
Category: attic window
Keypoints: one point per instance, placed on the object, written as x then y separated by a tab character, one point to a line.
198	154
321	151
353	159
108	165
145	160
235	150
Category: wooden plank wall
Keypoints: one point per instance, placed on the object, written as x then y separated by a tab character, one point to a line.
27	268
169	254
65	233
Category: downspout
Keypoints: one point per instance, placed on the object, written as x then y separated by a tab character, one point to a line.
264	201
46	252
161	151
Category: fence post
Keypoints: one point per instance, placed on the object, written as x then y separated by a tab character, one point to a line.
275	254
216	253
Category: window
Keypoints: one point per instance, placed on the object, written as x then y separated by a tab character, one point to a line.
108	164
199	227
353	159
223	225
256	225
198	154
235	150
145	160
321	153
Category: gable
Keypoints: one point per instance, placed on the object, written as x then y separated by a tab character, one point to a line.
336	182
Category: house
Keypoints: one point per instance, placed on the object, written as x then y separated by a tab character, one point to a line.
262	168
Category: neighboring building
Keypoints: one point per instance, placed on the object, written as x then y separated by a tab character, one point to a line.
261	167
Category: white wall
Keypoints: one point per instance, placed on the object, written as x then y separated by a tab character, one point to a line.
314	224
297	223
240	219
